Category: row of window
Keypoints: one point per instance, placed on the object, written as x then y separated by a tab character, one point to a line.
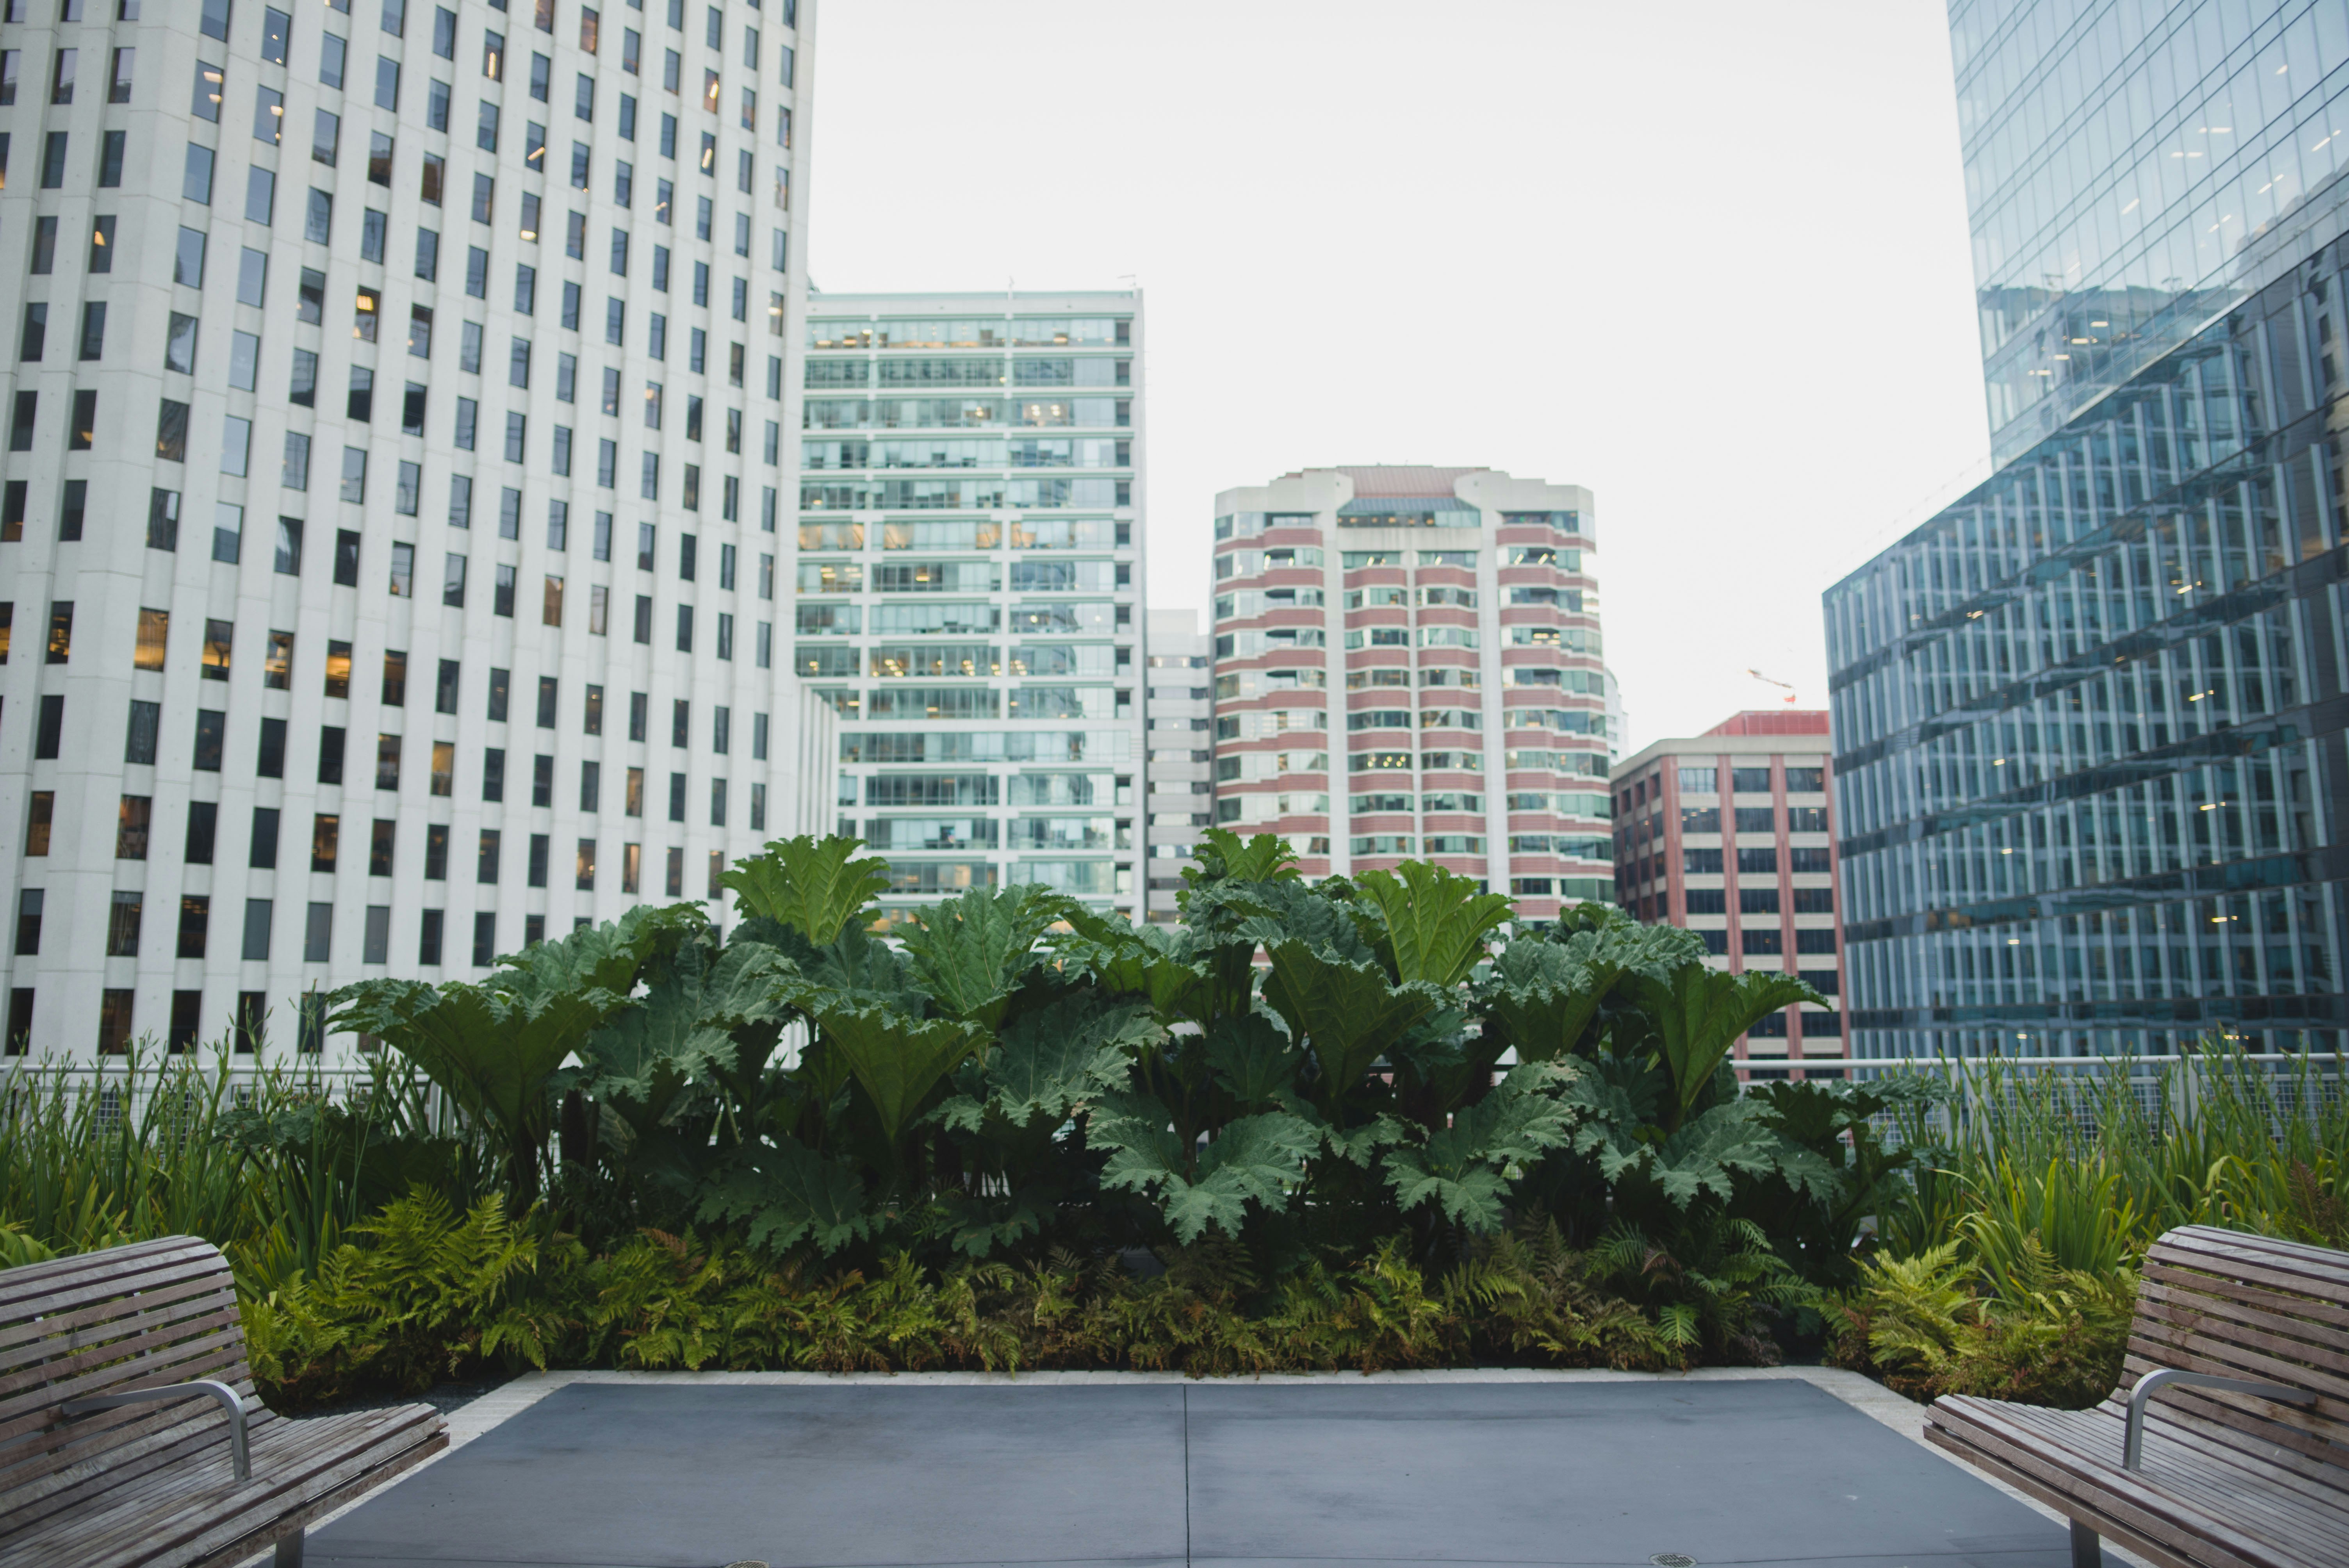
896	661
136	824
1749	820
1759	901
1753	941
1028	452
600	600
1581	764
1749	863
1079	371
171	446
1379	845
137	814
1077	617
970	332
192	935
1741	781
142	735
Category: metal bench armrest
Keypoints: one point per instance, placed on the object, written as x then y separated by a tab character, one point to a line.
239	1451
2133	1438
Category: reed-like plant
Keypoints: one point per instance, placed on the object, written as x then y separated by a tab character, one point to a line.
272	1163
2100	1162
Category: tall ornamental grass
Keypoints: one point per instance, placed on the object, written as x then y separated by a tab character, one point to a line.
273	1164
2099	1164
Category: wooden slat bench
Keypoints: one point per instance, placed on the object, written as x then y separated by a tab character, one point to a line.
88	1478
2242	1459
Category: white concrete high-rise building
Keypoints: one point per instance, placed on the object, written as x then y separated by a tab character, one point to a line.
969	583
1180	712
399	425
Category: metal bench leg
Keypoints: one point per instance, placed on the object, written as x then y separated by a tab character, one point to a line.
289	1550
2086	1551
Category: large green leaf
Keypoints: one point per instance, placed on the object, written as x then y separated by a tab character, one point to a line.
1435	920
1252	1058
1706	1155
682	1028
612	954
1545	993
1072	1050
970	951
1346	1010
864	969
814	885
897	1060
1274	911
787	1193
1260	1158
1129	960
1466	1168
1699	1013
979	1225
493	1048
1222	855
1544	1000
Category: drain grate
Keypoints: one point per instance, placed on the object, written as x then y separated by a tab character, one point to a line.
1672	1559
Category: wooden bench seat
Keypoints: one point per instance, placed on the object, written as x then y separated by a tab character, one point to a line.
156	1481
2225	1477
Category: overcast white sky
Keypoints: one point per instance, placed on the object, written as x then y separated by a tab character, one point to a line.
1707	258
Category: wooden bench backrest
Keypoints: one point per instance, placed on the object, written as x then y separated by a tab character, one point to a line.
127	1317
2241	1305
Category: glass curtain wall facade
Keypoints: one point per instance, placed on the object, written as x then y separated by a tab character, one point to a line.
2132	167
2088	721
397	428
968	587
1408	664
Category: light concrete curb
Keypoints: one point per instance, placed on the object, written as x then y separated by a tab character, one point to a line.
1865	1395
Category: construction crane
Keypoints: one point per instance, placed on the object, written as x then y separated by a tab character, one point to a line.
1781	686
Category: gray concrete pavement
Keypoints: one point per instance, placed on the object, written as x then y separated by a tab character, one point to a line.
1161	1474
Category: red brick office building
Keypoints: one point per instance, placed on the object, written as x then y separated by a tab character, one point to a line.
1731	834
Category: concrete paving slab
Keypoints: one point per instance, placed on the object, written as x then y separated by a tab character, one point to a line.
1589	1473
672	1477
1373	1473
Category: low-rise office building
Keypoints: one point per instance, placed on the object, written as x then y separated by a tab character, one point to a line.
1731	834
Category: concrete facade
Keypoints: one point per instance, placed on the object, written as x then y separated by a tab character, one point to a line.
399	425
1408	664
1180	711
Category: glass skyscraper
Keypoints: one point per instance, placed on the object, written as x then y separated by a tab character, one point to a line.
968	584
2089	719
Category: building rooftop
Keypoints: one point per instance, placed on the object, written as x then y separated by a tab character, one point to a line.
1773	721
1396	479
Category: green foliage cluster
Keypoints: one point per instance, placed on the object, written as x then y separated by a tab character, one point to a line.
262	1161
438	1293
2007	1263
1353	1123
1013	1076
